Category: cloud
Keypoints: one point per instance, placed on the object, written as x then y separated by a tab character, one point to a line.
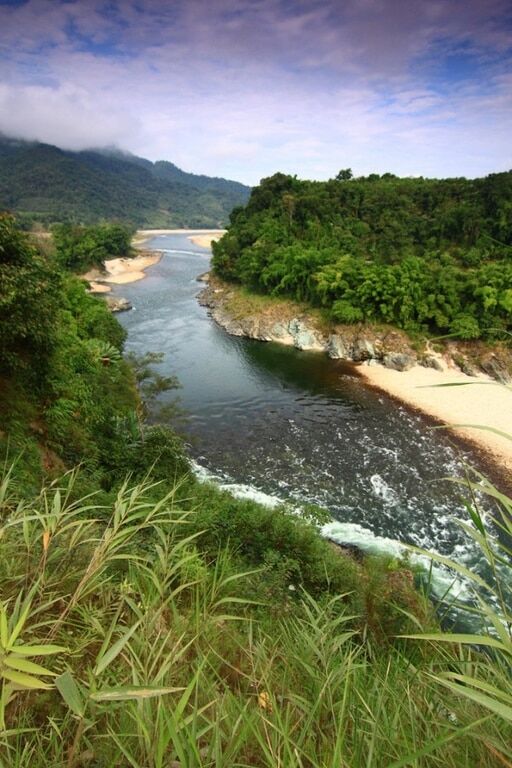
245	89
66	116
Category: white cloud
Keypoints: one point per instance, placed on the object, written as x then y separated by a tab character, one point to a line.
66	116
246	90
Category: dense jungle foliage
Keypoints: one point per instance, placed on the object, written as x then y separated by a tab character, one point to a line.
421	254
78	248
150	621
43	185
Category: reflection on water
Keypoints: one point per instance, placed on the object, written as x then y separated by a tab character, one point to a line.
294	424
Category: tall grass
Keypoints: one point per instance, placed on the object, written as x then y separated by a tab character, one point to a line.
156	652
483	676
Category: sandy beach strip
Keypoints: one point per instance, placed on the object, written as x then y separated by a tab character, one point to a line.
205	240
120	271
129	270
97	287
477	400
204	235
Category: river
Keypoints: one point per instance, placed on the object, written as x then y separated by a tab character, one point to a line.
270	421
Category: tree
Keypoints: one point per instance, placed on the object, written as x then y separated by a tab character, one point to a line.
28	302
345	175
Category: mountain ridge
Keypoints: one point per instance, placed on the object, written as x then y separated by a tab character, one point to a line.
42	183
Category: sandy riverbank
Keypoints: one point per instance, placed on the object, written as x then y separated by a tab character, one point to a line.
120	271
201	237
480	400
205	240
129	270
125	270
96	287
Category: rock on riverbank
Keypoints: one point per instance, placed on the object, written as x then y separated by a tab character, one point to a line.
118	303
288	322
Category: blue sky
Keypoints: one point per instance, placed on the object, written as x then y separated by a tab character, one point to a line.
244	89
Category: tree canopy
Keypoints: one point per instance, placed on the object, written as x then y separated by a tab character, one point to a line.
421	254
79	248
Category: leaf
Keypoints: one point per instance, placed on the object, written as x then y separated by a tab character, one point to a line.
70	692
495	431
20	623
37	650
427	749
477	520
132	692
4	631
459	384
22	665
480	698
491	642
114	651
23	680
452	564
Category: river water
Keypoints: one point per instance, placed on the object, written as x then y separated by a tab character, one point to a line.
270	421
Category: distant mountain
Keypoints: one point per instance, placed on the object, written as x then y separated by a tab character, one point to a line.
42	183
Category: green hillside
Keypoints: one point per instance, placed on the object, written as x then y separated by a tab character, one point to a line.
42	183
426	255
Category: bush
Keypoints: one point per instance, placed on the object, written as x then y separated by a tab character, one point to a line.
465	327
344	312
276	538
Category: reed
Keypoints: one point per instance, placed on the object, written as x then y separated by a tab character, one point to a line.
152	651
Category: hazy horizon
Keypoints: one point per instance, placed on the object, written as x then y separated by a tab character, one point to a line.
242	90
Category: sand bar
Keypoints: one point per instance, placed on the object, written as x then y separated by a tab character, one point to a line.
481	401
126	270
143	235
206	239
96	287
120	271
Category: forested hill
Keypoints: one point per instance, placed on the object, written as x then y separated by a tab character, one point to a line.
420	254
42	183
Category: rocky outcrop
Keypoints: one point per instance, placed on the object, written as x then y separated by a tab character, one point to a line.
496	369
399	361
303	330
432	361
293	324
117	303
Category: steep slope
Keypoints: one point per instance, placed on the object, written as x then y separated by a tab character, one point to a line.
43	183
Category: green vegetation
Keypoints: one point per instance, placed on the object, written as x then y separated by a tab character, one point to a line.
423	255
131	635
64	384
44	184
150	621
79	248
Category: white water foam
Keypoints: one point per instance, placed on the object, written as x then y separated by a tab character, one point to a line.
442	580
238	490
181	253
383	491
